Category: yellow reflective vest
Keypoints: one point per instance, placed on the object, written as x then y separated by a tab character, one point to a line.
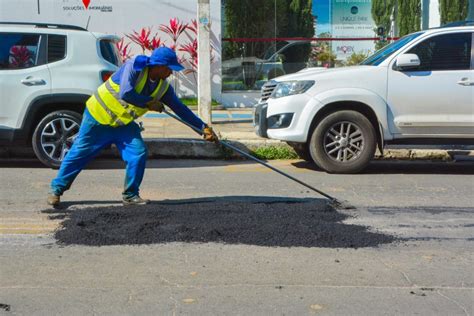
107	108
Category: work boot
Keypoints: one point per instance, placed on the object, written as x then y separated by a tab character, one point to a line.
53	200
135	200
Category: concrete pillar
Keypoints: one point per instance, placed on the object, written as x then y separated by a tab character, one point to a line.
470	15
435	18
425	14
204	61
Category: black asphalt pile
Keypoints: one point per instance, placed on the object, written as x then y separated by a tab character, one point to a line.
273	224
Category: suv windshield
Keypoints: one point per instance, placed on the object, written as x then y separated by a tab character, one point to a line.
382	54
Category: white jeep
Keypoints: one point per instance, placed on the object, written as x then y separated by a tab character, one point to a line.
47	72
417	90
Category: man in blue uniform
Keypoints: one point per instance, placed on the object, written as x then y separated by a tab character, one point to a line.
138	86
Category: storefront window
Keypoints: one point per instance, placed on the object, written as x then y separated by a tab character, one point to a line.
270	39
264	39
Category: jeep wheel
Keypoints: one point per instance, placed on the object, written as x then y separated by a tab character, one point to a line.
54	135
343	142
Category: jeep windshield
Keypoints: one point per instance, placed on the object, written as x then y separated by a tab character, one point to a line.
382	54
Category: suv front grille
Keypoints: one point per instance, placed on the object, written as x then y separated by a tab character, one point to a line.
267	90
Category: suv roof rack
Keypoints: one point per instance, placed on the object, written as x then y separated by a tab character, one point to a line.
47	25
459	23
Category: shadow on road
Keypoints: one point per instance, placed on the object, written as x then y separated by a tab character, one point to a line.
260	221
232	122
406	167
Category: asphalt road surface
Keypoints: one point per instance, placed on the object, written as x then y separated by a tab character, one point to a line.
229	237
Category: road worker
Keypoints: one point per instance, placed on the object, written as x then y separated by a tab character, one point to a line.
139	86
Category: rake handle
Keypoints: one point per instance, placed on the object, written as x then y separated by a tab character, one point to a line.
243	153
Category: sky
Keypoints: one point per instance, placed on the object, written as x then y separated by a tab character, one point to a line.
321	9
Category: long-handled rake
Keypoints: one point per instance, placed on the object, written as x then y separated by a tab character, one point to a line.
333	201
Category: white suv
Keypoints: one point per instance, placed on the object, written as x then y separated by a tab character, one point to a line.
47	72
417	90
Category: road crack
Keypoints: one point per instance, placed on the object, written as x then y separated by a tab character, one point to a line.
405	276
453	301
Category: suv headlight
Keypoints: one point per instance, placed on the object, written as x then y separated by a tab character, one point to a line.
286	88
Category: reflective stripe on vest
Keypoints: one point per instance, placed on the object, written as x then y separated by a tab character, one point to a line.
108	108
125	105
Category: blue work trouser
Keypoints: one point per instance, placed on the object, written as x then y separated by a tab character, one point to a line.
93	137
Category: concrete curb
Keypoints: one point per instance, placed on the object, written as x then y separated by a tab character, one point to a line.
199	149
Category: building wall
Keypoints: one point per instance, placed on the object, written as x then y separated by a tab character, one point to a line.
122	17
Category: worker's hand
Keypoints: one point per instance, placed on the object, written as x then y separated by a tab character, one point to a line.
155	105
209	135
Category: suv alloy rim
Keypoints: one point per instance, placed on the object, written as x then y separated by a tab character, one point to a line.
57	137
344	142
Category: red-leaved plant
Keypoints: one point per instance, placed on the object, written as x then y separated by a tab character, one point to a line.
124	49
141	38
174	29
193	27
156	42
192	50
20	57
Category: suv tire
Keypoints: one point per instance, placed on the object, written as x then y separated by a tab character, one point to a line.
54	135
343	142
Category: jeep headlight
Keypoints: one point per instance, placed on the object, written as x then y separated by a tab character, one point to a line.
286	88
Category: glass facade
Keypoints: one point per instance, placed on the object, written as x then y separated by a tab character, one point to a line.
270	39
263	39
279	37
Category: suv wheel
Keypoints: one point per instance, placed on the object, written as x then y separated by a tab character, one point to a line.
343	142
54	135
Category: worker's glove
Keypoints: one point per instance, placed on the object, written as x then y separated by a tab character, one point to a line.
209	135
155	105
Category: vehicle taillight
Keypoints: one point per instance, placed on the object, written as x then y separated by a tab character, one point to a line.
105	75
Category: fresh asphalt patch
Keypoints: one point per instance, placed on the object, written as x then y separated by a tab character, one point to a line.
275	222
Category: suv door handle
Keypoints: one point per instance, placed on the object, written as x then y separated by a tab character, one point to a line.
466	82
33	81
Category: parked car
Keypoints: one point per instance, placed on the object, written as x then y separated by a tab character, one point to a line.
278	59
417	90
47	72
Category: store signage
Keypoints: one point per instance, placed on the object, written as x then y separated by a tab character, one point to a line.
352	18
89	5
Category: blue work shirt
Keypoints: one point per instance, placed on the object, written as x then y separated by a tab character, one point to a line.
127	77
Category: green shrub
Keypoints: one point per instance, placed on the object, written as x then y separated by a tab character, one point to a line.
274	152
194	101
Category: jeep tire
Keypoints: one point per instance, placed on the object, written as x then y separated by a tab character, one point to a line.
54	135
343	142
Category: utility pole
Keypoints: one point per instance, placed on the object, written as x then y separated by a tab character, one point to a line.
204	61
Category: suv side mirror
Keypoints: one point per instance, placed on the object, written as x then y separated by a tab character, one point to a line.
407	61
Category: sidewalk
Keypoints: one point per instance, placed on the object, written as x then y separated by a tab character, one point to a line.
166	137
231	124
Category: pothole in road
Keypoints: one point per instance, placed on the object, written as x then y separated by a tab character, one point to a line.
280	223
